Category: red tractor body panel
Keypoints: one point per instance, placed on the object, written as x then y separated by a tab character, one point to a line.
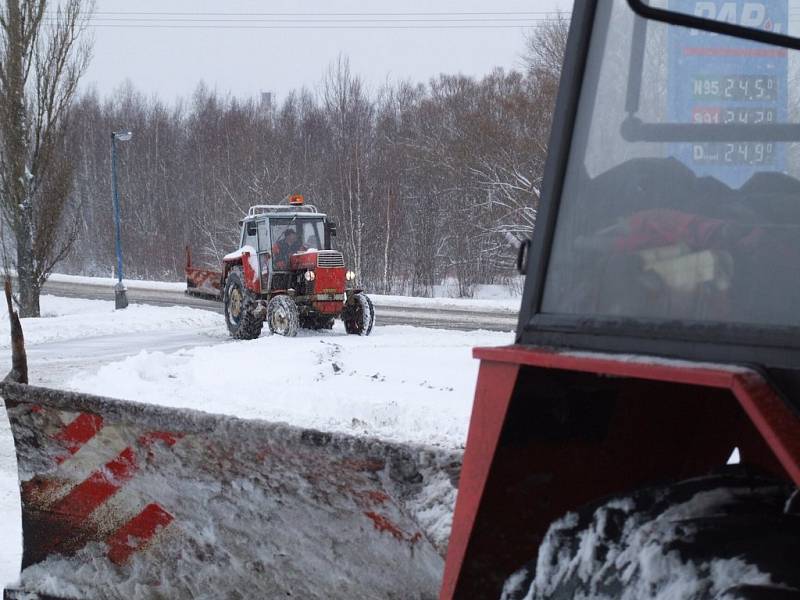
330	280
306	260
250	268
249	262
552	431
332	308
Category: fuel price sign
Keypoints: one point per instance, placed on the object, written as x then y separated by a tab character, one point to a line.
718	79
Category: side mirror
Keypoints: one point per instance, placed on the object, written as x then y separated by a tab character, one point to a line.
330	232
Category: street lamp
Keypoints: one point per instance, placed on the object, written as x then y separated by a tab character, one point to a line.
120	292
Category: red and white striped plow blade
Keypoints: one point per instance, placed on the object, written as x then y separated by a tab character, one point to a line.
127	500
203	281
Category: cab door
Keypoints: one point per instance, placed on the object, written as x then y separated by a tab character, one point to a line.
249	237
264	254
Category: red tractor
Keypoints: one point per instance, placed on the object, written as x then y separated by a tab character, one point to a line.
286	274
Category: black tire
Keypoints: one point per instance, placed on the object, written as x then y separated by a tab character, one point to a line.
282	316
240	304
730	535
358	315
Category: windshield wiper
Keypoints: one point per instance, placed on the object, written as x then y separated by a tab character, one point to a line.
635	130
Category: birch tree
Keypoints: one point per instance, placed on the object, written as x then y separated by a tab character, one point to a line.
350	115
42	57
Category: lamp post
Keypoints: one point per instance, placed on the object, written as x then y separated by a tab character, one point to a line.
120	292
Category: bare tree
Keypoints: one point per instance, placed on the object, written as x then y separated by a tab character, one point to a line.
545	46
42	58
350	113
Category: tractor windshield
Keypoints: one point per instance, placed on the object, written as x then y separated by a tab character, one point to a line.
292	235
681	198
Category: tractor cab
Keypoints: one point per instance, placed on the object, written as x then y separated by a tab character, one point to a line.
290	242
672	202
659	330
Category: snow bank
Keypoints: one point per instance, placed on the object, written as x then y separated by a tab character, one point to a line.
508	305
75	318
131	284
402	383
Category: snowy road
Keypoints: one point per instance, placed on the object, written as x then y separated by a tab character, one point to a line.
403	383
390	310
53	364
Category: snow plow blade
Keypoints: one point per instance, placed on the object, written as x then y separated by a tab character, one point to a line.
127	500
205	283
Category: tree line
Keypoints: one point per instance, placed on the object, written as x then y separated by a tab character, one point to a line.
425	181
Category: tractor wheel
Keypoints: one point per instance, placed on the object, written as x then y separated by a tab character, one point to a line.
240	304
358	315
730	535
282	316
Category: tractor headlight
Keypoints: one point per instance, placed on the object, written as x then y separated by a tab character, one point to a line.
310	276
350	276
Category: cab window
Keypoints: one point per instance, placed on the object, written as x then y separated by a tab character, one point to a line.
684	205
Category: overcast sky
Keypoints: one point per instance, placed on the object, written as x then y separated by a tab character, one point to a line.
244	47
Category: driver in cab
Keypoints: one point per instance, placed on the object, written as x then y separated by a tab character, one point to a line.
288	244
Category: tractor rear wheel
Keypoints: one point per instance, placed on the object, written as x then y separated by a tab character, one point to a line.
358	315
282	316
240	304
729	535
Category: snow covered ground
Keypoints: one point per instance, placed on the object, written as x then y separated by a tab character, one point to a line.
402	383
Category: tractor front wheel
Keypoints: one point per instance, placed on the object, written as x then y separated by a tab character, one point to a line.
358	315
282	316
240	304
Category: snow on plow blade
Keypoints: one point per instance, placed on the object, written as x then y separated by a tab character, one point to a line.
125	500
202	282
